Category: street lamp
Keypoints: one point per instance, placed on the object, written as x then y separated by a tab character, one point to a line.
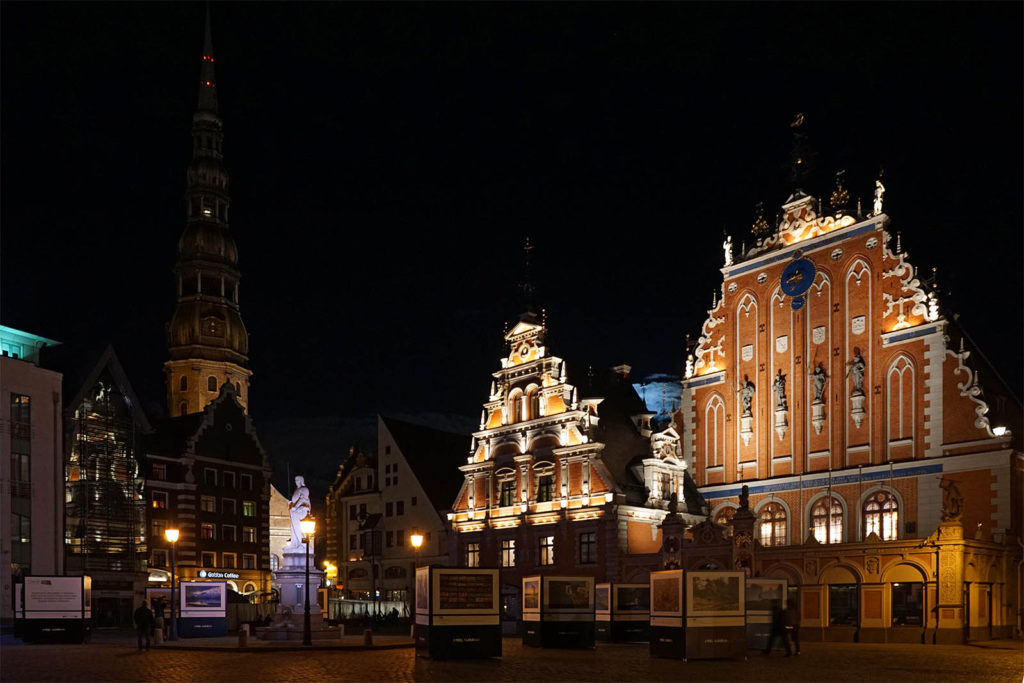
416	538
172	536
307	526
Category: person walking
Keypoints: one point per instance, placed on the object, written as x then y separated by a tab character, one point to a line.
144	622
778	629
793	626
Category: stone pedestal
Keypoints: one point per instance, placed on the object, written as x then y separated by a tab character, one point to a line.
857	411
746	428
780	423
818	415
291	577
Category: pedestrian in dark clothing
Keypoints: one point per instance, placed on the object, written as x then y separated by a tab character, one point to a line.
144	622
793	627
778	629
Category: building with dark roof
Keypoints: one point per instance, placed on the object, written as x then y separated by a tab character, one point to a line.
104	499
377	503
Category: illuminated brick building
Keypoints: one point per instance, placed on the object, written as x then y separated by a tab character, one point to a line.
561	483
887	486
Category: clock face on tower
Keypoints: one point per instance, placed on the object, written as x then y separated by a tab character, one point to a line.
796	279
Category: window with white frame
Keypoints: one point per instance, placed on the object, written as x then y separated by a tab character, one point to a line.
508	552
546	550
472	554
881	515
827	520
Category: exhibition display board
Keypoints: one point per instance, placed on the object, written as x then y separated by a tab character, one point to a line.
763	596
622	612
54	608
558	611
698	614
202	609
458	613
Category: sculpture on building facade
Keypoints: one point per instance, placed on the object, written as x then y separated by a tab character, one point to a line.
856	371
746	392
952	501
779	389
298	510
879	191
727	246
818	379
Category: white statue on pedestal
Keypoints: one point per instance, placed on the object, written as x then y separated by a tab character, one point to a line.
298	510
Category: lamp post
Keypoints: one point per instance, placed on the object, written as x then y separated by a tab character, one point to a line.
416	538
172	536
308	526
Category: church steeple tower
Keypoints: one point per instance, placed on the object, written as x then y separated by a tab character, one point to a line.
206	338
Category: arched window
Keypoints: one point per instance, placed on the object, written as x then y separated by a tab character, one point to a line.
724	516
532	404
773	524
275	562
827	520
183	383
714	432
183	408
211	383
881	516
515	409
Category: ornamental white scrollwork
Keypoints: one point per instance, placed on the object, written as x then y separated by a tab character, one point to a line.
970	388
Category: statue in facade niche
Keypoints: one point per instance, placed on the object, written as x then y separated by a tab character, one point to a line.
952	501
746	392
779	389
298	510
818	379
856	371
727	246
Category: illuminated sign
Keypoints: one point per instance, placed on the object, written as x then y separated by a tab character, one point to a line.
203	574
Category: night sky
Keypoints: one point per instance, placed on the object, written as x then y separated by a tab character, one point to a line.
388	160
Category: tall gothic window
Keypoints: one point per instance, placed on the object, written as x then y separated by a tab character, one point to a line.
773	525
827	520
881	516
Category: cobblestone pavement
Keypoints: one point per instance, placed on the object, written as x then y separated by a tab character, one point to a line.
120	661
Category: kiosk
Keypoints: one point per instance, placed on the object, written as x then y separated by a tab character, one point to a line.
667	635
716	624
622	612
558	611
54	608
763	596
203	609
458	613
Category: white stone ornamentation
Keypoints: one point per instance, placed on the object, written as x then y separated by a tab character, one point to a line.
858	324
818	334
782	343
747	352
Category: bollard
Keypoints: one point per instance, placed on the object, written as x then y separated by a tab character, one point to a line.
158	636
243	636
368	638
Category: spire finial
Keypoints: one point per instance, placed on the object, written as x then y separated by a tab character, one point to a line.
207	77
526	287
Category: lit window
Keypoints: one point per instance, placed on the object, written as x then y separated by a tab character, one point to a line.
160	500
827	520
208	533
508	553
881	516
773	525
472	554
249	508
588	547
208	503
547	550
507	493
249	534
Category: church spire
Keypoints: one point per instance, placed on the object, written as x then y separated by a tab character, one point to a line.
206	338
207	74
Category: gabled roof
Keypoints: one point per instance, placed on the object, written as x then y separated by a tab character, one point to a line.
432	455
82	366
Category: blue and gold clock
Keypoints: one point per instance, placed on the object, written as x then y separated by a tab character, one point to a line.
796	279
